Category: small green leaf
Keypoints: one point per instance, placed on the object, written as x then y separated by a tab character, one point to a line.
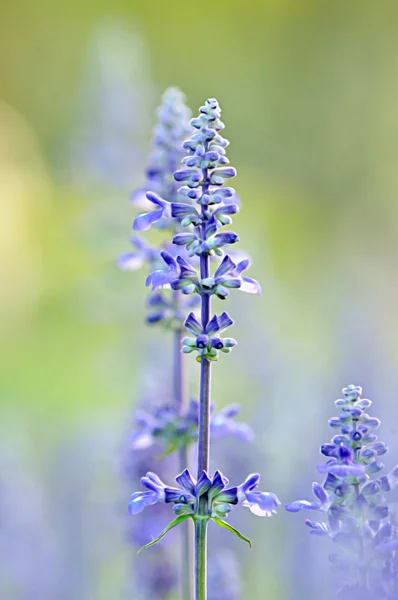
176	521
229	527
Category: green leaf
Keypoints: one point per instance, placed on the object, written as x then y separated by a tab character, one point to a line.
229	527
176	521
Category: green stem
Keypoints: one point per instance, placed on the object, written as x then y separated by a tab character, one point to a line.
181	398
201	559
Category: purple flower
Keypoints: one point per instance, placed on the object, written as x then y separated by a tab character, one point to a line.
176	430
157	493
224	424
218	498
229	274
357	513
262	504
322	503
143	253
145	221
164	277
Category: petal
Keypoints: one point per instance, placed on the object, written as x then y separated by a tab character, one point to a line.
151	485
317	528
169	260
186	481
242	266
181	210
138	198
250	286
182	239
260	512
140	500
193	325
211	227
212	326
203	484
342	470
143	222
156	199
226	237
187	271
229	209
225	266
225	321
267	501
320	493
130	261
243	432
159	279
218	484
250	483
176	495
230	411
298	505
230	496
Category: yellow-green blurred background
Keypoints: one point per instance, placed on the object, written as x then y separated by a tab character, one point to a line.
309	92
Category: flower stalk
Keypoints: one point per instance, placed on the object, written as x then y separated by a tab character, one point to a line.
204	419
203	207
181	396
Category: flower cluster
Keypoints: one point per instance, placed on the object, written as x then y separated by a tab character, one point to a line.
175	430
178	273
205	207
207	341
207	498
170	131
352	498
167	152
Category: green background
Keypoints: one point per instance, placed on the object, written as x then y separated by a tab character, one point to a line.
309	92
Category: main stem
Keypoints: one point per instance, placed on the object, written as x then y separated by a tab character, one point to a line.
204	427
181	397
200	559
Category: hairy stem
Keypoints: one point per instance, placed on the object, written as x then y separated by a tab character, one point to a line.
181	397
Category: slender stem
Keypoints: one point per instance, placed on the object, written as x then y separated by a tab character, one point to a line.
186	544
181	397
204	423
201	559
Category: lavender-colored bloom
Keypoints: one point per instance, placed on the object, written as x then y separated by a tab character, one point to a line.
158	574
359	519
204	207
143	253
207	342
156	196
212	490
174	430
223	424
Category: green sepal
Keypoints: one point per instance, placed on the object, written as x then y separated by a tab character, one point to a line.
229	527
174	523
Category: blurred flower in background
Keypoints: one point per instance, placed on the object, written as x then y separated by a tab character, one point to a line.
113	116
